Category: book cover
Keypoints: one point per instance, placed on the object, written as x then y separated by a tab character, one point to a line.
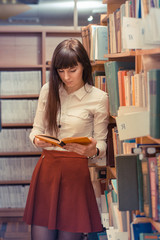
92	30
158	183
102	236
121	87
118	30
146	188
63	141
140	185
154	98
111	72
137	228
110	149
127	183
84	37
149	236
128	129
101	42
152	161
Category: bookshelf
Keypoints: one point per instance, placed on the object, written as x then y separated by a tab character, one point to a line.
141	59
25	49
138	56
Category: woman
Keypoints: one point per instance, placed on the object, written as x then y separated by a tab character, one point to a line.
61	204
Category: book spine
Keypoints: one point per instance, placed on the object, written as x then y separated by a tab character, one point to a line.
154	96
153	175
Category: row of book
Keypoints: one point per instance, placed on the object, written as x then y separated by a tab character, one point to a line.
18	110
136	187
20	82
99	79
95	41
16	140
131	25
133	97
13	196
136	32
138	180
17	168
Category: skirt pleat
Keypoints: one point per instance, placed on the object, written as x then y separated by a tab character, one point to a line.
61	194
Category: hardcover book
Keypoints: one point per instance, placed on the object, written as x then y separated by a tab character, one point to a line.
111	72
63	141
127	183
154	86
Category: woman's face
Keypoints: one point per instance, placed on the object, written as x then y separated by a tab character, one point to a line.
72	77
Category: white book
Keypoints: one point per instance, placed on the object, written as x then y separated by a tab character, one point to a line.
128	127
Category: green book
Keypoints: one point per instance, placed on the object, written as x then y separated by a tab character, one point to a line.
111	70
154	102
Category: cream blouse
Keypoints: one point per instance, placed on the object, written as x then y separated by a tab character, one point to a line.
83	113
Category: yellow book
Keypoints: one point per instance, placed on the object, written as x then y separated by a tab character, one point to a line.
63	141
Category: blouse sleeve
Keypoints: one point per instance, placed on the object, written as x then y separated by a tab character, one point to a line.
39	123
101	119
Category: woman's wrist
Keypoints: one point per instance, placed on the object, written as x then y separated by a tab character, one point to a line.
96	155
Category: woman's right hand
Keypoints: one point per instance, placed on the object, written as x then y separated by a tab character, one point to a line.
40	143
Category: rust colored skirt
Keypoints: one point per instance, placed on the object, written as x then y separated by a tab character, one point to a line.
61	195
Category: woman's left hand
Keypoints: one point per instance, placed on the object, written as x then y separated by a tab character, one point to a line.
85	150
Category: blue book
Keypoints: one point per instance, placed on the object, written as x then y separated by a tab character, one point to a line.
137	228
102	236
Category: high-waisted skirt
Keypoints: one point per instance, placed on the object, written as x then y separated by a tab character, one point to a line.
61	195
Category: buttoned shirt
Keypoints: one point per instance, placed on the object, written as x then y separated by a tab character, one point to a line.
83	113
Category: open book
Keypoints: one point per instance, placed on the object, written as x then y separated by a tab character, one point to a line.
63	141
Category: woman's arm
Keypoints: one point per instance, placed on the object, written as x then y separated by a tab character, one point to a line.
39	120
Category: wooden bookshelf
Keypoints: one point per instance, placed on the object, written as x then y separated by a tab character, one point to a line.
138	57
148	51
27	48
11	212
31	96
156	140
121	55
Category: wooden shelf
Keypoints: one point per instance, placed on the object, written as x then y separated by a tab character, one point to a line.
121	55
30	67
98	62
148	51
2	154
13	182
19	96
156	140
11	212
133	53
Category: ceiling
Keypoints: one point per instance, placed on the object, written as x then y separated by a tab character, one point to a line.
50	12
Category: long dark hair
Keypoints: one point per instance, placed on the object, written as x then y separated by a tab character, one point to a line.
67	54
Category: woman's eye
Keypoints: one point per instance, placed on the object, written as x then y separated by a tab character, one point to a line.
60	71
72	70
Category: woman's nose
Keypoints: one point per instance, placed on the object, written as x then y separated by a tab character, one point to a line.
66	75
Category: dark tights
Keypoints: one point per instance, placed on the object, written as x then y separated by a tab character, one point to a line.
43	233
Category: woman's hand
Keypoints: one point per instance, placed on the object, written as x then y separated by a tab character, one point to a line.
86	150
40	143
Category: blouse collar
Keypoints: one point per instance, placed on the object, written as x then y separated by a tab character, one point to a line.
80	93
